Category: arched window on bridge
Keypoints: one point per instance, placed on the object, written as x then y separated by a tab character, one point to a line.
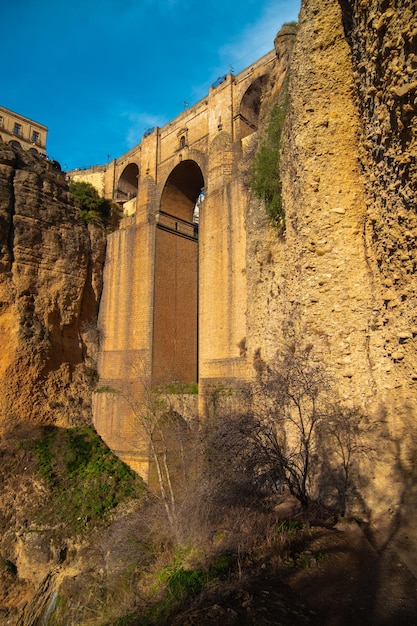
182	138
127	186
182	190
250	106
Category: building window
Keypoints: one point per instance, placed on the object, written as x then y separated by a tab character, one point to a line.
35	136
1	121
182	141
17	129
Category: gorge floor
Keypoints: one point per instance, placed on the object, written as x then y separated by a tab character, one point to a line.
341	580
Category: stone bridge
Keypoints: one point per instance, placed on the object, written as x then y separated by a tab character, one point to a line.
174	300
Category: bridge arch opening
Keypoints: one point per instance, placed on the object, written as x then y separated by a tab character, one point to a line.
182	190
250	107
127	186
175	310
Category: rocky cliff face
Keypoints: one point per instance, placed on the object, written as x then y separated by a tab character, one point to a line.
50	283
342	279
382	37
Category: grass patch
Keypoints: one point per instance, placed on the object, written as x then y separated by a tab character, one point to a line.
289	526
44	456
178	388
85	478
181	584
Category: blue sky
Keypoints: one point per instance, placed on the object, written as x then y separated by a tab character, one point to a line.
98	73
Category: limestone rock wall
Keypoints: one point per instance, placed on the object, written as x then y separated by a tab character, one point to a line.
382	37
342	278
50	284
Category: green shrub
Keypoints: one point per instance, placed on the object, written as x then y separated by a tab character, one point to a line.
183	584
186	583
93	208
10	567
222	564
266	178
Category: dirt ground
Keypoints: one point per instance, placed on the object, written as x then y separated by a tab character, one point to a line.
341	580
356	583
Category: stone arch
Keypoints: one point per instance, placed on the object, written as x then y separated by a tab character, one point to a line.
127	185
15	144
175	307
250	106
170	450
33	151
182	189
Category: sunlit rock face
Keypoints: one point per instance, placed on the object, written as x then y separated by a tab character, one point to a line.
50	283
343	278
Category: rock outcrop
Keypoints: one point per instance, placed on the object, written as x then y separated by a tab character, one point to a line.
50	284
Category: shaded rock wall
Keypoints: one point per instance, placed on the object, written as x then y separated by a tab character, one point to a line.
50	283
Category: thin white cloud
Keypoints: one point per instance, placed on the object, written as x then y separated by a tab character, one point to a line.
138	123
258	38
251	43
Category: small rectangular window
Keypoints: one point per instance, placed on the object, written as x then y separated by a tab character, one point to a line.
35	136
1	121
17	129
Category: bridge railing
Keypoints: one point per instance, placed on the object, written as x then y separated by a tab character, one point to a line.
176	225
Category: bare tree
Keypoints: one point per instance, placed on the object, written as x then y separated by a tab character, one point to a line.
291	404
296	434
161	432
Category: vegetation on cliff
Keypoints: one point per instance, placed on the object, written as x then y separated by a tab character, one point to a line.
93	207
266	178
84	479
218	487
110	553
